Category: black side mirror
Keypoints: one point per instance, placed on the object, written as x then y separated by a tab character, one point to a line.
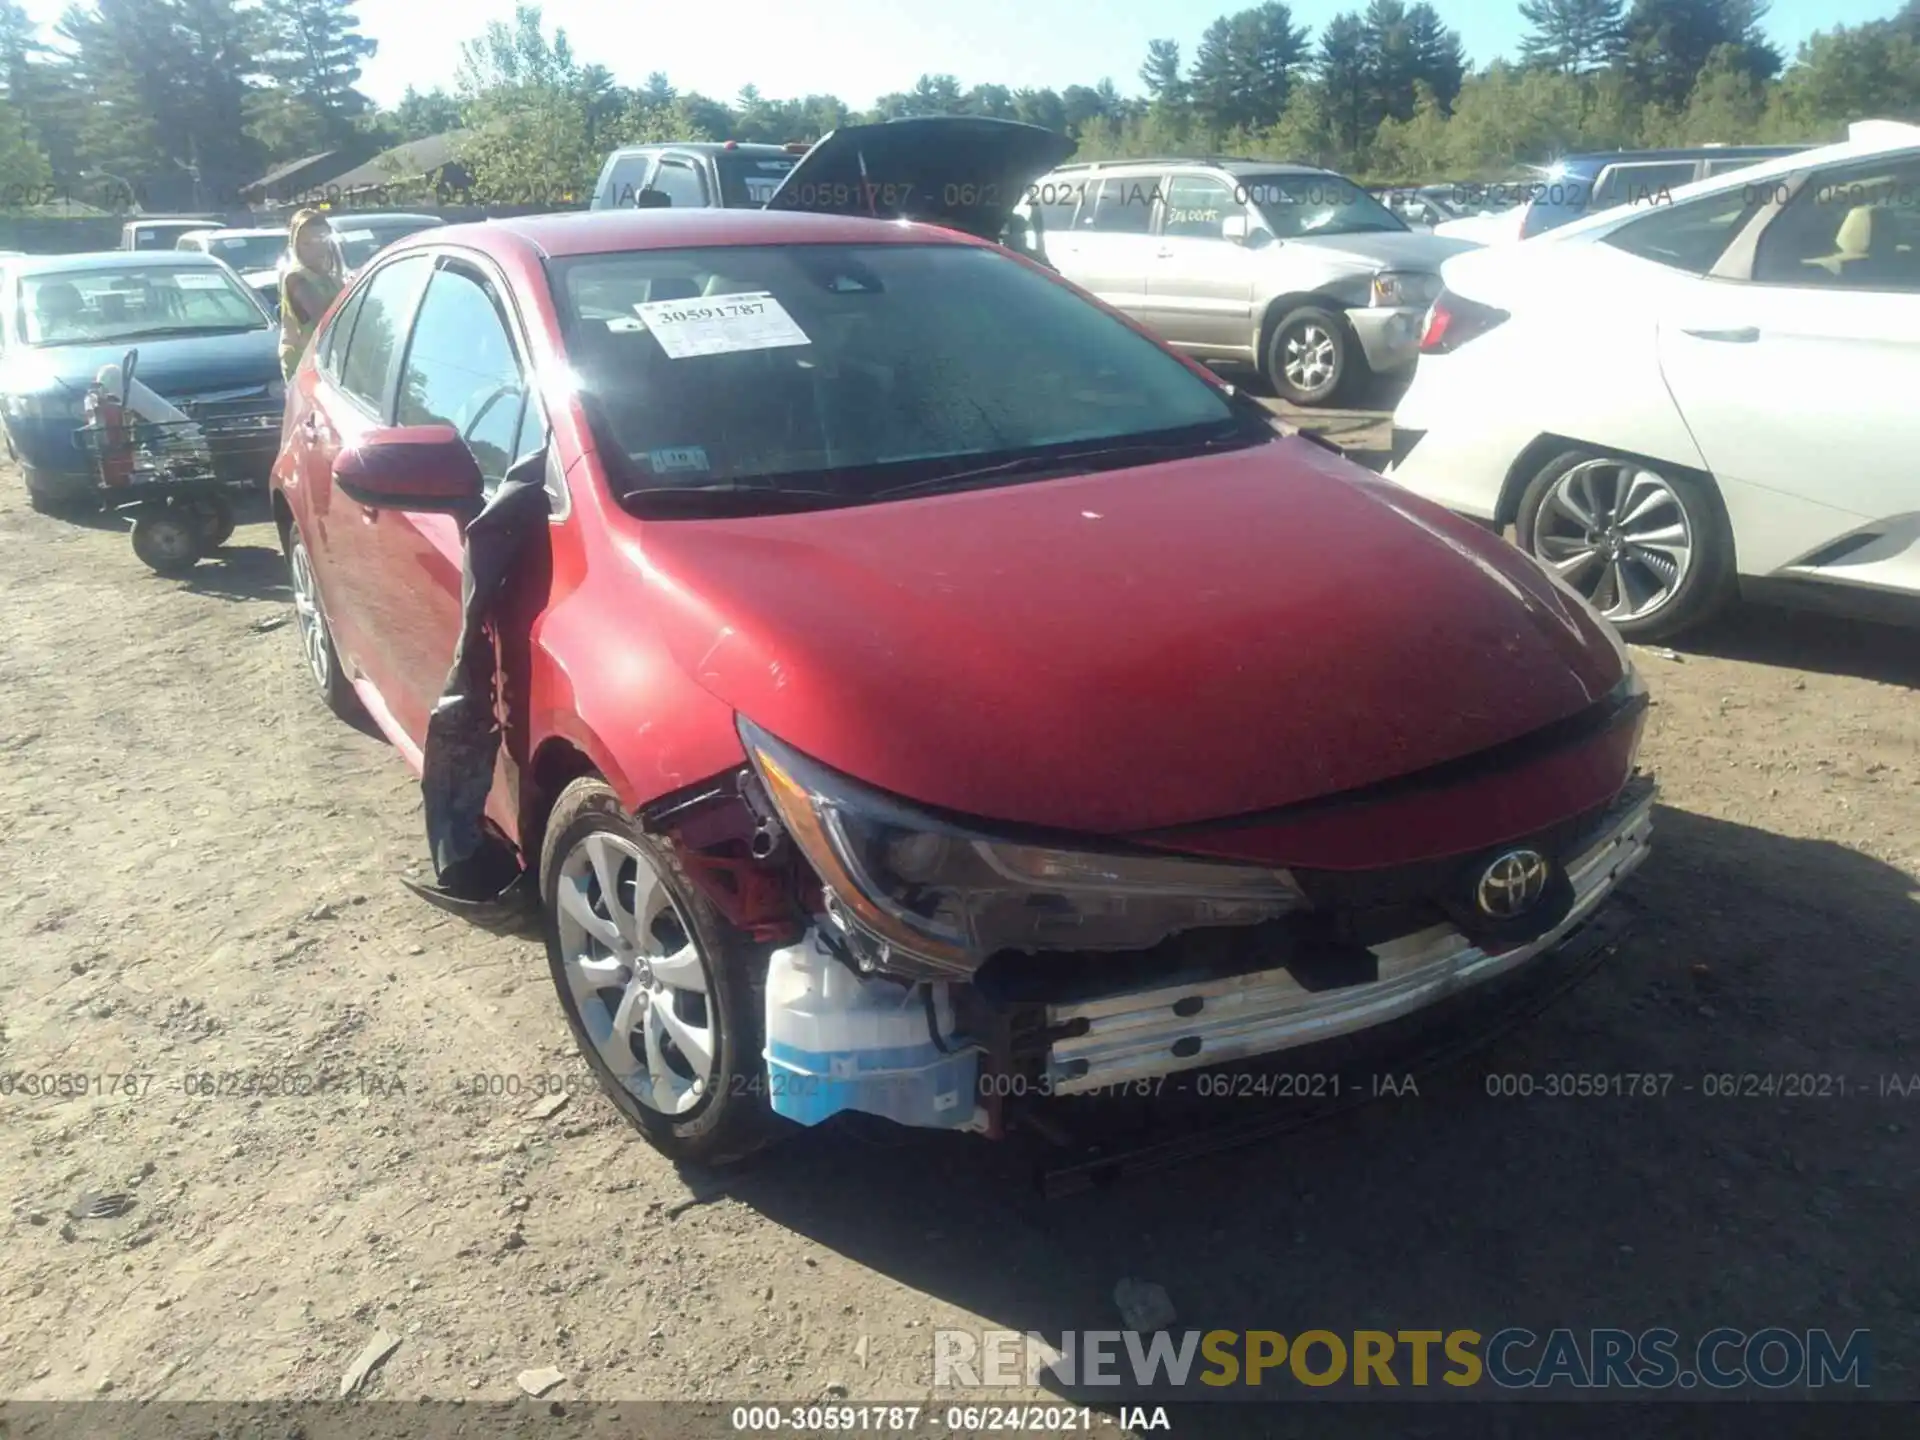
651	199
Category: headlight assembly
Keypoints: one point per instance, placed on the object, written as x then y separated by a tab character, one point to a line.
1404	287
936	895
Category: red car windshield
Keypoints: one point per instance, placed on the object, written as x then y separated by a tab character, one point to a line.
857	369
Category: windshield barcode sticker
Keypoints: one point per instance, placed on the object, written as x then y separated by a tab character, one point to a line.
200	280
721	324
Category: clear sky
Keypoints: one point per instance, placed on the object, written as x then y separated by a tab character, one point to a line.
861	49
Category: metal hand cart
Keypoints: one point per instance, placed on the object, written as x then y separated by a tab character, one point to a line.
177	479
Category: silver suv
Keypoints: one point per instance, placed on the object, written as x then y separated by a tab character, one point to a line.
1295	270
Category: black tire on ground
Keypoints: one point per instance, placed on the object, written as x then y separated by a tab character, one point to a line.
1320	349
1708	584
334	686
733	1119
217	513
60	502
168	538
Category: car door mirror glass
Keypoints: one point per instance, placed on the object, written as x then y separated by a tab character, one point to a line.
411	467
1234	228
651	199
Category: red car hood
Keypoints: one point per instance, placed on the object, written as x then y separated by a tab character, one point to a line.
1129	650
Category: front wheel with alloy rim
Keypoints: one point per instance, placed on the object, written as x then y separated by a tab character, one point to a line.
663	997
1310	356
1647	545
316	636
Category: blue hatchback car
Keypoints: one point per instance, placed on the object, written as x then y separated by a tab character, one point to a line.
205	343
1581	184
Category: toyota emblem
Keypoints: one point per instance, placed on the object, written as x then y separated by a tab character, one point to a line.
1512	884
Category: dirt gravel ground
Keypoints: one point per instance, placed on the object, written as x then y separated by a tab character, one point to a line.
199	869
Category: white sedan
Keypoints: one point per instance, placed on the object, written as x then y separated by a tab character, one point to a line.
1711	397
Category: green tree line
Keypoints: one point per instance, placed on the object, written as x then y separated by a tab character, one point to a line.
191	99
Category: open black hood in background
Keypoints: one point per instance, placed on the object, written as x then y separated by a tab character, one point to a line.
962	171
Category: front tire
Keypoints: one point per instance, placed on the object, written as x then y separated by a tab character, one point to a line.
1312	358
664	998
1649	546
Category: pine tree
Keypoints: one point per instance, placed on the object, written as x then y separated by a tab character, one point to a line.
39	86
311	52
1160	73
1438	61
1572	36
1244	68
1670	41
1346	84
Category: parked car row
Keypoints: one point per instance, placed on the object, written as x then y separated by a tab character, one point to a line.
197	301
922	688
1708	398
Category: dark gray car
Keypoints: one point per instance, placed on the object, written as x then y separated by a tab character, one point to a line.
1292	269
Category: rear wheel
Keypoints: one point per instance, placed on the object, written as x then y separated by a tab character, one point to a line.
1647	545
216	514
168	538
663	997
49	500
316	636
1311	356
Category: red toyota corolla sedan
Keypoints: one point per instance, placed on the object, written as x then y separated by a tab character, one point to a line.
907	684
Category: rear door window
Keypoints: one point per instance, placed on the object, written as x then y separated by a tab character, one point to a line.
682	184
1123	206
1641	184
1690	237
748	181
1055	201
374	347
1852	229
333	344
625	178
1197	208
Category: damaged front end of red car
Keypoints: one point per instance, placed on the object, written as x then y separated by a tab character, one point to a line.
930	968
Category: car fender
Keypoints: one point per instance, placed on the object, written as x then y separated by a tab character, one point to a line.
1269	311
619	699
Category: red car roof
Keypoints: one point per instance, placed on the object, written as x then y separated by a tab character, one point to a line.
612	231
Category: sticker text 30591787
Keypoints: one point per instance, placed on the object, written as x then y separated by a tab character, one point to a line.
719	324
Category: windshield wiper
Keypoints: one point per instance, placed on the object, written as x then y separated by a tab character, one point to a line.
1029	464
170	332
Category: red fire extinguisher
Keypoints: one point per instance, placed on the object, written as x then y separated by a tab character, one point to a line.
108	418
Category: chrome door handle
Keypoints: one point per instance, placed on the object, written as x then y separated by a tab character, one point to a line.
1744	335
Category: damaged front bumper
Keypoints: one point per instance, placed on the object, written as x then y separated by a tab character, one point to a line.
945	1054
1148	1033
